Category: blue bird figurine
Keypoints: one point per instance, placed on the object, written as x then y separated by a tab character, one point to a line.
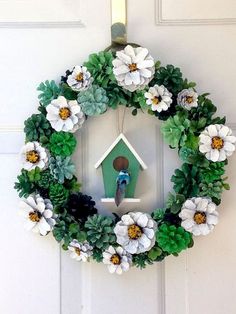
122	181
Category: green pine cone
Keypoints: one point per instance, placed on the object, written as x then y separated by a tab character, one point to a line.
61	168
37	126
93	101
45	179
172	239
213	173
49	91
170	77
212	190
186	180
62	144
101	68
58	194
100	231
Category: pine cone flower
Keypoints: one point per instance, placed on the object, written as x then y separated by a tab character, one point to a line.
93	101
37	126
34	155
62	144
80	251
133	68
117	260
187	99
79	79
38	213
172	239
81	206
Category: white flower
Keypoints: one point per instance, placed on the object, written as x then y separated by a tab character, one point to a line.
199	215
34	155
38	213
187	98
217	142
133	68
80	251
159	98
136	232
80	79
117	260
65	115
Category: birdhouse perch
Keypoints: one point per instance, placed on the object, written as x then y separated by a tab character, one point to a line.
120	156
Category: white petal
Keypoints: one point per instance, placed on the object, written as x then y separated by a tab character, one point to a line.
214	155
212	130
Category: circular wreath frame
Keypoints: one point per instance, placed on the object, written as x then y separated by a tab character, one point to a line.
75	221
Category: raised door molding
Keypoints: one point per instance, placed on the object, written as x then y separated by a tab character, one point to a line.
42	14
196	12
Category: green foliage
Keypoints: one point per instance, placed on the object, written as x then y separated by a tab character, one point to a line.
58	194
49	91
61	168
158	214
97	255
100	231
174	129
155	253
62	144
37	126
34	175
24	186
72	185
142	260
186	180
67	230
101	68
205	110
173	239
139	100
117	96
175	202
67	92
93	100
193	157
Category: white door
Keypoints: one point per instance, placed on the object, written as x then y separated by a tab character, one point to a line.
37	44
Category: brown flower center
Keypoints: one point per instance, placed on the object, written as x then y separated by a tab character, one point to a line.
133	67
115	259
199	218
217	142
189	99
156	100
35	216
64	113
79	77
77	251
32	156
134	232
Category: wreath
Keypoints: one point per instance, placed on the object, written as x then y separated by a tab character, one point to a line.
51	197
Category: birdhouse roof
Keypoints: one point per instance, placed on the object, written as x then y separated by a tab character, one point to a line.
119	138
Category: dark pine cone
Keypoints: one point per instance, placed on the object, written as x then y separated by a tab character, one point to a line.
80	206
172	219
64	78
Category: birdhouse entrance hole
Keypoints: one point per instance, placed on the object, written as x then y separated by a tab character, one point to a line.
120	163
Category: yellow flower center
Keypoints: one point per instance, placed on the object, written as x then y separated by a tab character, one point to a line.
32	156
133	67
217	142
34	216
199	218
77	251
134	232
156	100
189	99
79	77
115	259
64	113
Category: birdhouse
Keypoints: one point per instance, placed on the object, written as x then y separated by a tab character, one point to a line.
120	156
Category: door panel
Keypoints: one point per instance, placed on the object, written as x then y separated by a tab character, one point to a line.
199	280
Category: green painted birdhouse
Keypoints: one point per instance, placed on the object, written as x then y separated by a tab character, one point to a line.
120	156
